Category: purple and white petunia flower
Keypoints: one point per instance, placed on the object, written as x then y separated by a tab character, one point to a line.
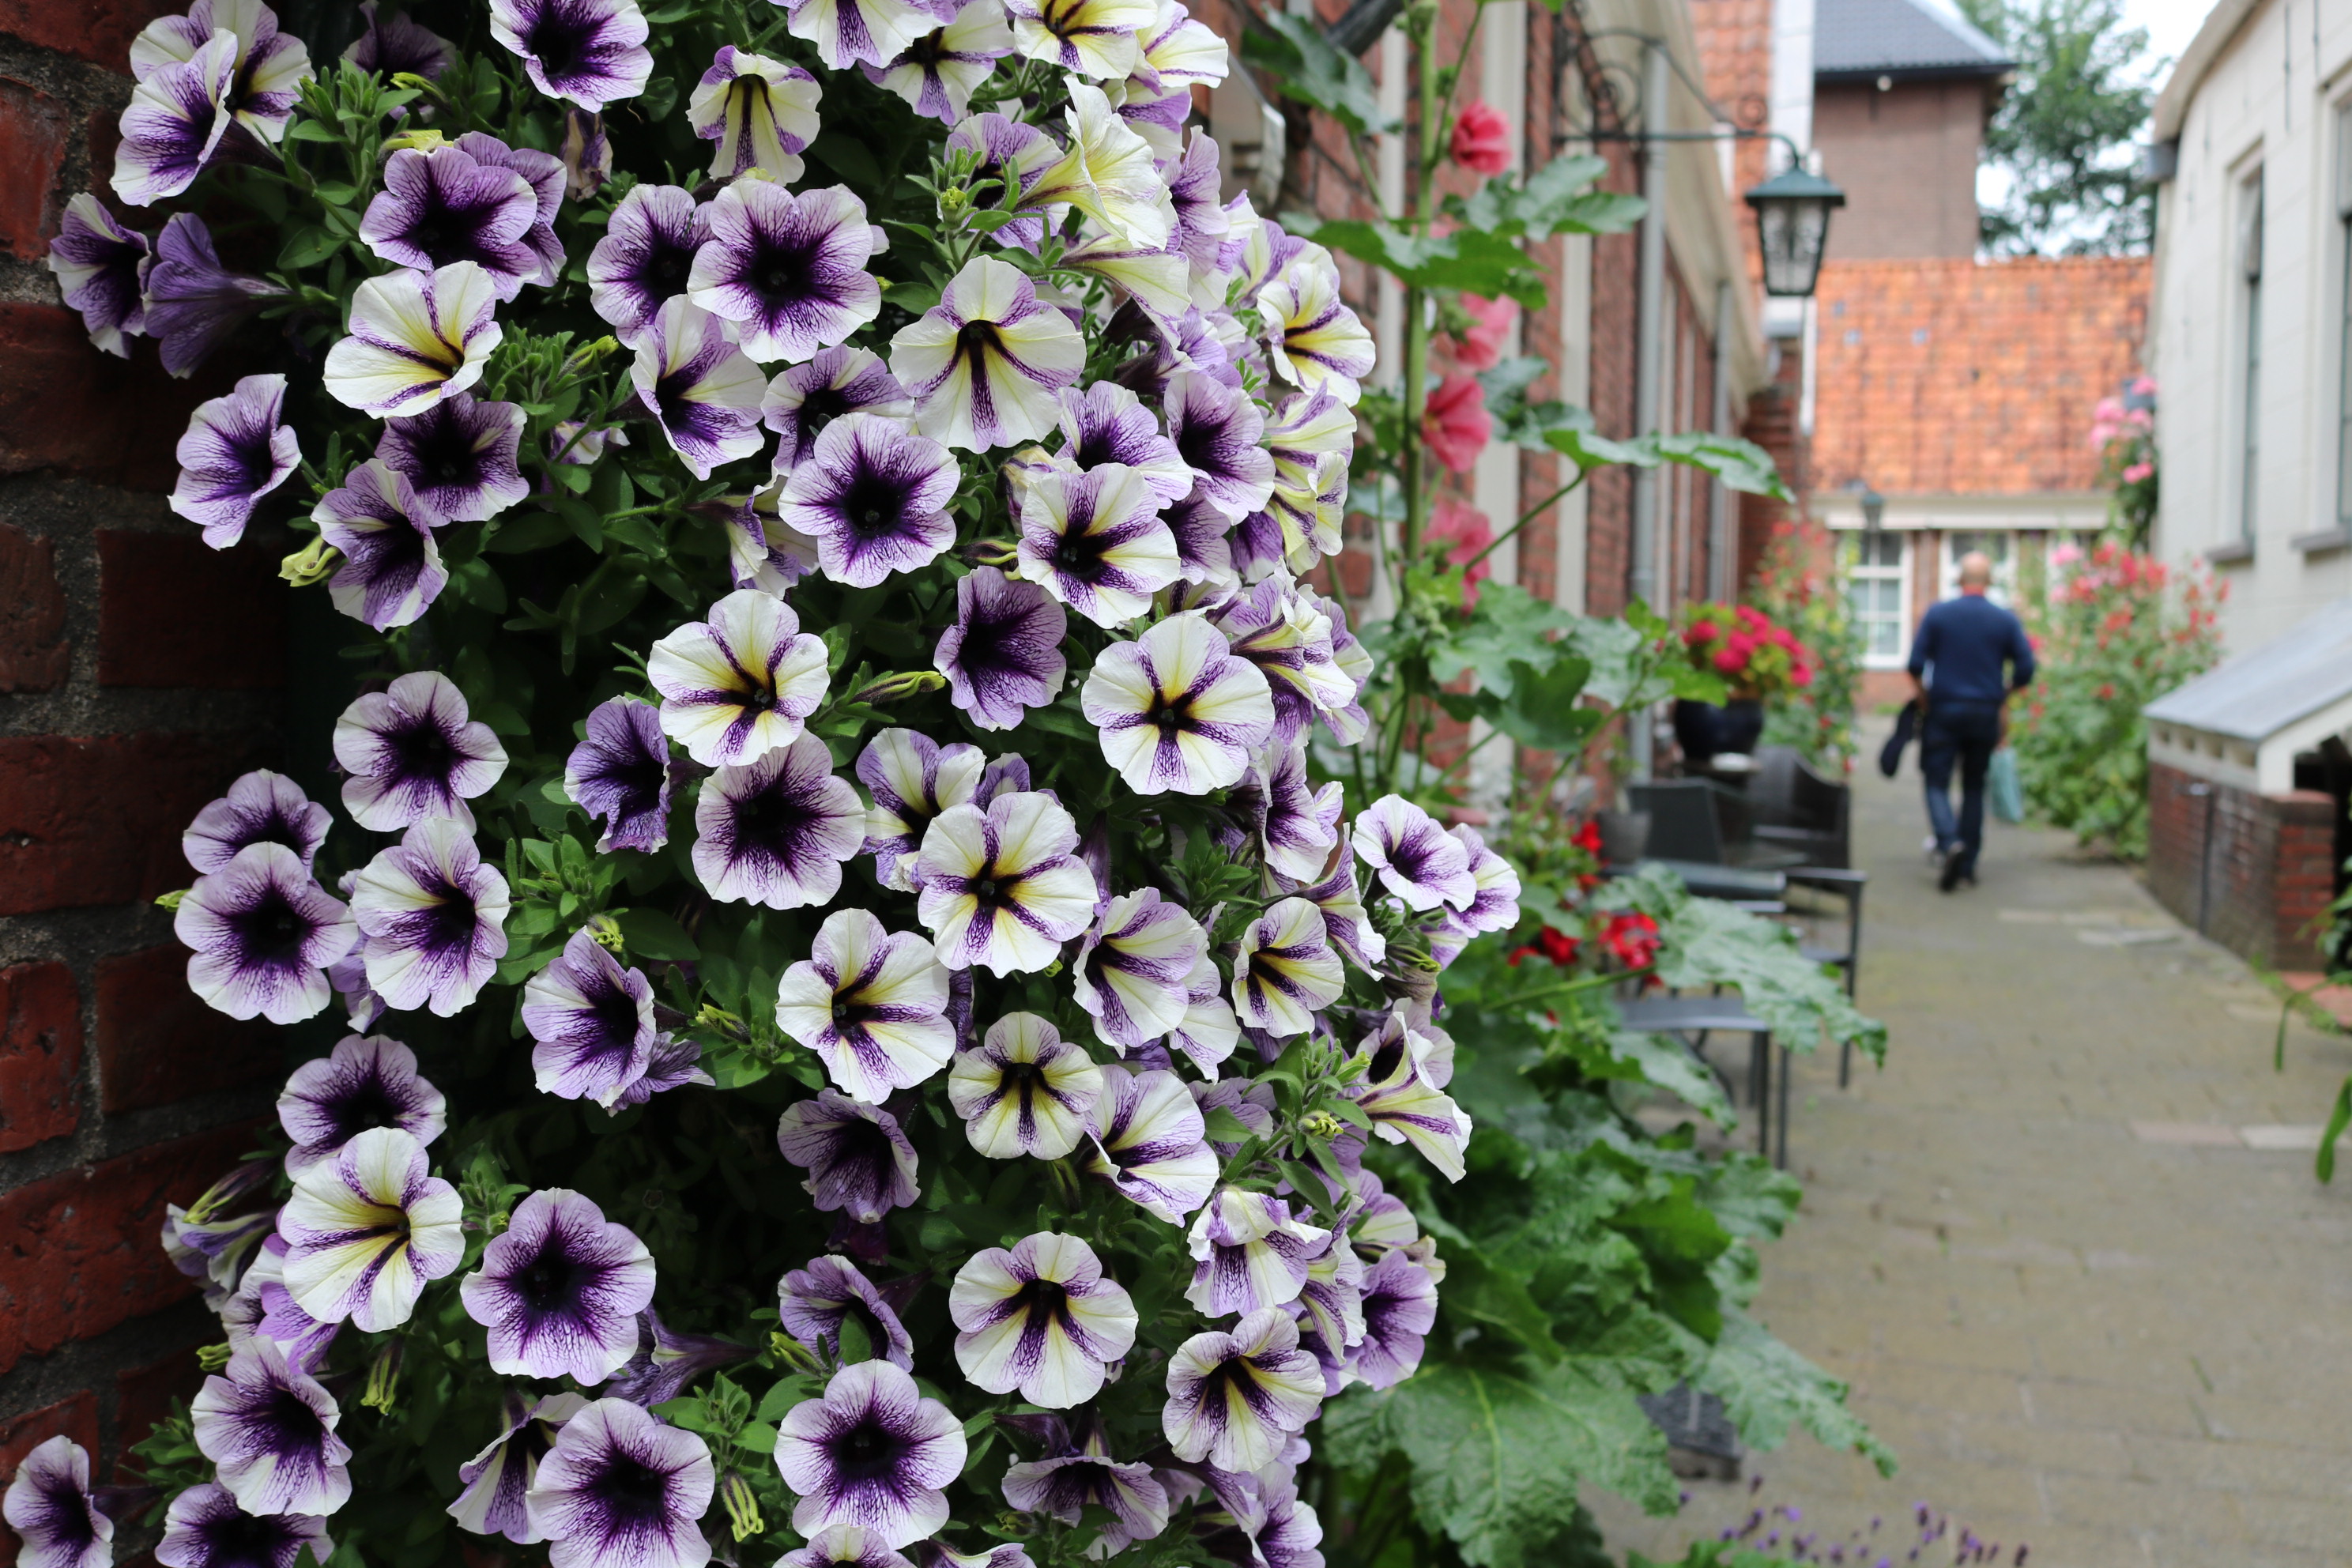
431	919
874	496
1131	968
764	551
1220	432
813	1303
620	1487
463	455
777	831
215	1239
366	1081
1147	1138
414	338
1300	524
270	65
1001	887
263	935
1495	906
269	1431
859	1161
871	1003
1153	276
805	398
1309	427
1109	173
620	776
1210	1031
303	1338
1406	1069
591	1022
1331	1301
545	174
675	1062
1108	423
913	779
1095	542
1015	155
365	1231
413	753
789	269
736	686
937	1553
699	387
1040	1317
1285	971
1417	861
391	44
260	807
178	114
559	1290
844	1546
862	32
1287	635
442	206
1002	656
938	72
1096	39
1345	920
984	365
1313	340
1023	1089
1181	53
390	571
1204	552
666	1360
498	1480
872	1452
1400	1308
1250	1252
1302	823
586	154
643	259
50	1507
191	304
1176	710
592	52
96	261
1233	1397
237	451
1066	1485
206	1529
1202	220
760	111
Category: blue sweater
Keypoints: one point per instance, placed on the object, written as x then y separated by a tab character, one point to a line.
1960	647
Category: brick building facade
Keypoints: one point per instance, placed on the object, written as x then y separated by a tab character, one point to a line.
2254	872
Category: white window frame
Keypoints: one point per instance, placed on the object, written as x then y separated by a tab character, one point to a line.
1854	570
2245	411
1959	543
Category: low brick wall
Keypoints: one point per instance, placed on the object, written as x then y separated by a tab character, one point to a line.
2254	872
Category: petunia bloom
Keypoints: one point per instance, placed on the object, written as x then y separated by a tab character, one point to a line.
1405	1071
619	1486
860	32
559	1290
498	1480
1313	339
936	73
392	43
1176	710
237	451
192	304
1209	1031
206	1529
463	455
96	261
1219	433
844	1546
431	919
1233	1397
1040	1318
1285	971
1002	655
263	935
178	114
1147	1138
1095	540
412	752
1108	172
1066	1485
441	204
1417	861
1302	823
1012	156
700	387
913	779
1131	970
269	1431
983	364
814	1302
874	496
587	154
872	1452
1250	1252
645	257
49	1505
1286	634
668	1361
777	831
789	269
1023	1089
1400	1308
592	52
365	1082
1495	904
760	111
620	776
805	398
414	338
999	888
871	1003
860	1162
260	807
591	1022
1108	423
1094	37
365	1231
739	685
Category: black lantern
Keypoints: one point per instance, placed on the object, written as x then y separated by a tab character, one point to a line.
1873	510
1793	226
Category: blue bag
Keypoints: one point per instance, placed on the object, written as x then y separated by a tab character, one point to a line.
2008	796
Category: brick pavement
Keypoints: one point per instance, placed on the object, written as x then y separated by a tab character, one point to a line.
2126	1348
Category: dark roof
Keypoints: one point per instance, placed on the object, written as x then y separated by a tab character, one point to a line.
1908	39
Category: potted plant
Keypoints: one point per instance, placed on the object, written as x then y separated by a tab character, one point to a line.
1758	659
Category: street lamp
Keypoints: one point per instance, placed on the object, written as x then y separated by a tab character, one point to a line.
1793	226
1873	510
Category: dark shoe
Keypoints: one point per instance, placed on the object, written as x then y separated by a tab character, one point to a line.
1954	869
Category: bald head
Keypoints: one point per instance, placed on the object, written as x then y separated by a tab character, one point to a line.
1976	571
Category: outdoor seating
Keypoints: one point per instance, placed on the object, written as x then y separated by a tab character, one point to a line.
1797	807
1692	1019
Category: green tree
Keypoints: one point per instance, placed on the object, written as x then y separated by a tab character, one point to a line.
2065	132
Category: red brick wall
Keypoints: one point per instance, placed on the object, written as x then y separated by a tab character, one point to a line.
138	673
2254	872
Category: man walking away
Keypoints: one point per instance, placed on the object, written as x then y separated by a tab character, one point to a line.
1956	662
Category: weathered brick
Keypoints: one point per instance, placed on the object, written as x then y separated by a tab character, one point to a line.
98	821
147	584
74	1418
66	406
144	1395
34	653
97	30
35	132
40	1054
78	1252
158	1044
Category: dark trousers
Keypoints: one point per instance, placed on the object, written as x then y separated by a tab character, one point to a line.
1966	733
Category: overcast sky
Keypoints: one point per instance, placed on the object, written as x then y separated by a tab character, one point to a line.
2170	23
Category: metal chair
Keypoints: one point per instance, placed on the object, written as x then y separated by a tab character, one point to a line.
1702	1015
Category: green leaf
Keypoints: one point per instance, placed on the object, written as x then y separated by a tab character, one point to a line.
1294	50
1552	200
1738	463
758	1436
1766	1388
312	131
531	531
659	97
307	248
1224	1127
1508	626
1474	261
649	934
2323	1167
1544	709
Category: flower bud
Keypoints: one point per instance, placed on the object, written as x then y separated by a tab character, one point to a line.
743	1508
312	564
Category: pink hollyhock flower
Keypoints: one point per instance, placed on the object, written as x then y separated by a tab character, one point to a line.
1482	345
1482	139
2138	472
1455	424
1468	532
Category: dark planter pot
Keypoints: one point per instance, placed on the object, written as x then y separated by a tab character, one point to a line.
1704	731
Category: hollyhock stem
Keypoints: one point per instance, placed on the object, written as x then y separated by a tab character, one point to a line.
1528	517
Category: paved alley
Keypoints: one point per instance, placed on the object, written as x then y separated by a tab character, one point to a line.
2068	1246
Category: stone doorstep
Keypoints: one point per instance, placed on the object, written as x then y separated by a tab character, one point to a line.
2302	1138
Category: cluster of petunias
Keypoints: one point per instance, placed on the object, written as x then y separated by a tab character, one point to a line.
1081	942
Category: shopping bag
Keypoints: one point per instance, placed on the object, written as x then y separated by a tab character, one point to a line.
2008	794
